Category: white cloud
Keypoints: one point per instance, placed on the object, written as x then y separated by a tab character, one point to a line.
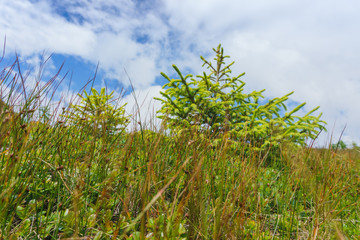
32	27
141	71
143	107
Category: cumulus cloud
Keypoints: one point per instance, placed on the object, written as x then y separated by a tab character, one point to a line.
142	107
32	27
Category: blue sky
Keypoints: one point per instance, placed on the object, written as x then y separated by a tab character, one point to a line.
310	47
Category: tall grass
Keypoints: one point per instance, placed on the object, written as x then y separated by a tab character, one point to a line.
66	181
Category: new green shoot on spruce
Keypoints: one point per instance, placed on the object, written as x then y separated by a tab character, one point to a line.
96	111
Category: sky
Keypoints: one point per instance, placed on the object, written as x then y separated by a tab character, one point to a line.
310	47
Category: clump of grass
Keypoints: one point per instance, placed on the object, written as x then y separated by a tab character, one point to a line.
63	180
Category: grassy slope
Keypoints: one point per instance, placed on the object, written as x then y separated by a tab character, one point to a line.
61	181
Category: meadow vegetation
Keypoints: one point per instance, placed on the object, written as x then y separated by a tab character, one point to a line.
77	173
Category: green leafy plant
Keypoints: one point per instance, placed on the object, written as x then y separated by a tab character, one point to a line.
96	111
339	145
216	101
